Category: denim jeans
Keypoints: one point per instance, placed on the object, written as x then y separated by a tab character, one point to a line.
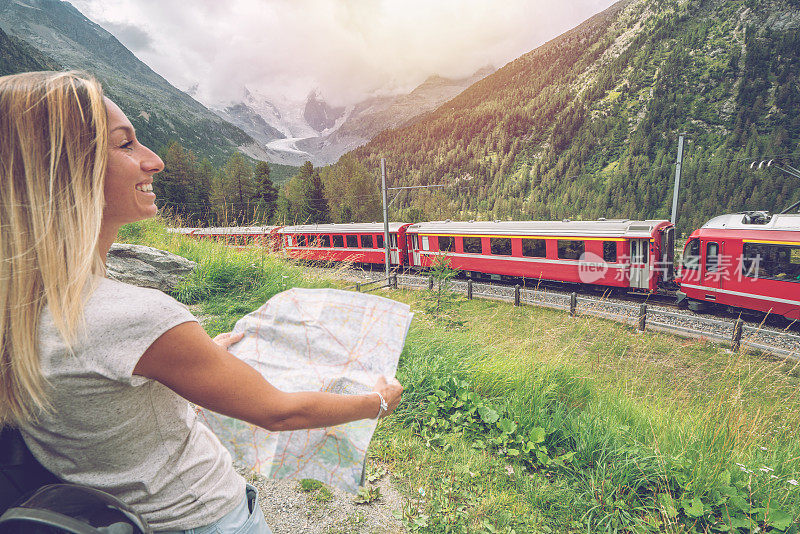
247	518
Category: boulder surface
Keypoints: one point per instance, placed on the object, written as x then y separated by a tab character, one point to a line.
147	266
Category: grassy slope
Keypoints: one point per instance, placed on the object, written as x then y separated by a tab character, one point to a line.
656	424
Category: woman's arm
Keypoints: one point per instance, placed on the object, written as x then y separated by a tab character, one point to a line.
189	362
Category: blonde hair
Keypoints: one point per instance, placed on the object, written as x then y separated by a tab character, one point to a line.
53	149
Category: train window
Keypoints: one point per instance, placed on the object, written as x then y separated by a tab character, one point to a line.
325	241
691	255
425	243
610	251
393	240
288	241
569	249
447	243
338	241
415	242
472	245
712	257
534	248
500	246
352	240
379	237
777	262
366	241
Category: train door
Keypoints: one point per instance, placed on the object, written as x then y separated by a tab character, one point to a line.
394	253
667	266
640	268
712	269
415	249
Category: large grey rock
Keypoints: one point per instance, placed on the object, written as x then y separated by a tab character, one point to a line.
147	266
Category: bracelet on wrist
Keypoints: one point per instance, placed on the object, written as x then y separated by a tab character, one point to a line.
383	408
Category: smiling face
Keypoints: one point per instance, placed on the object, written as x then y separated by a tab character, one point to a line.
129	174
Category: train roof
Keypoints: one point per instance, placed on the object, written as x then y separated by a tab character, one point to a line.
755	220
345	228
234	230
599	228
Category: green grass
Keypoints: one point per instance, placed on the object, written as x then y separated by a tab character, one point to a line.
637	432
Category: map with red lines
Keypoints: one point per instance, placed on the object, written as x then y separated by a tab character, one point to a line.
315	340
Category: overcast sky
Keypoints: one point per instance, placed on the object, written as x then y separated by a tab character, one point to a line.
345	49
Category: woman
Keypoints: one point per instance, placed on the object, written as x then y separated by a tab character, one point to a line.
96	373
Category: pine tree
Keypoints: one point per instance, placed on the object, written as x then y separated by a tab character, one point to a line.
351	192
266	193
311	206
233	190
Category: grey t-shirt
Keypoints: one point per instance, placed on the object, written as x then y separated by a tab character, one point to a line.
127	435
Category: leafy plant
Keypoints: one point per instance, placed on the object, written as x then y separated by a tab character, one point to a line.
441	302
367	494
452	406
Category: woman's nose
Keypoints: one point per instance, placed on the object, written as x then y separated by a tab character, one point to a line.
151	162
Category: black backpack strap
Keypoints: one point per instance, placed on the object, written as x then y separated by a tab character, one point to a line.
20	472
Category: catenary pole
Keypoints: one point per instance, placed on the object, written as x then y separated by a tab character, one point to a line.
385	216
678	163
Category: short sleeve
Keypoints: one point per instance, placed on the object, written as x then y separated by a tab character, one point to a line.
122	321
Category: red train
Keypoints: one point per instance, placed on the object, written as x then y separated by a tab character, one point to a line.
355	242
238	236
611	253
743	261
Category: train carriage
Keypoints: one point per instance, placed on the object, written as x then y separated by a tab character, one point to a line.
745	260
238	236
353	242
614	253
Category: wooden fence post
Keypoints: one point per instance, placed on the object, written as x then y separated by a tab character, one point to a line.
516	295
358	288
573	303
394	281
430	283
469	289
642	317
736	342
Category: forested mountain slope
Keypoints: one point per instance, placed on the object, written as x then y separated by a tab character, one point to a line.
586	125
160	112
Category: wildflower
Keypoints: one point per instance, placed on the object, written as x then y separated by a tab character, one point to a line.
792	481
773	476
765	469
763	448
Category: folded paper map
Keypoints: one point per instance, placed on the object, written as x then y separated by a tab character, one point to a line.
315	340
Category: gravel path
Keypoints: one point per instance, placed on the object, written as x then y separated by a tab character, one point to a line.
289	509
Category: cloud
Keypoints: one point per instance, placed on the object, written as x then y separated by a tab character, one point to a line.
133	37
345	49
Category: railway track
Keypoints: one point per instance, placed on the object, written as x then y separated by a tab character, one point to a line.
764	334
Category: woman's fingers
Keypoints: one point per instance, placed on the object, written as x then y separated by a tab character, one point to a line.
391	392
228	338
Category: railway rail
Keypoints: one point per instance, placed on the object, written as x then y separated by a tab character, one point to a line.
660	316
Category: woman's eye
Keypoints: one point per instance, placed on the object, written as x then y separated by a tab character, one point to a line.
128	145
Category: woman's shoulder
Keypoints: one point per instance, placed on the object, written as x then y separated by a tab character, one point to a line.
112	298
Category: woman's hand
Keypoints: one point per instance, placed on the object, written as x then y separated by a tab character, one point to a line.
391	392
227	339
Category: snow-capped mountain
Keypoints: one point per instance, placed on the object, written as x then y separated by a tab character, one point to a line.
292	132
